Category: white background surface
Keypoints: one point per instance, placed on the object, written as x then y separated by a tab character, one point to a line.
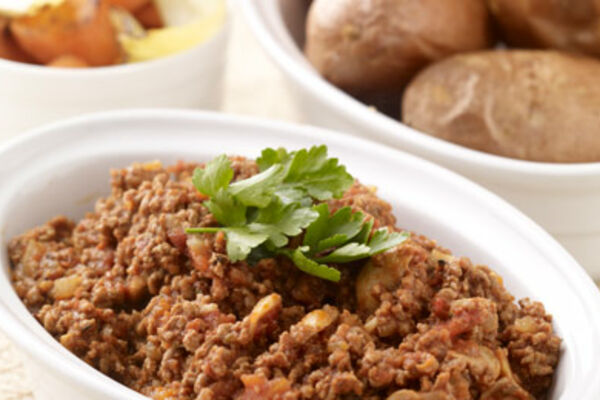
253	87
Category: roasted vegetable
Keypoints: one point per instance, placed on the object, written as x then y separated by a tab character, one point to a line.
9	49
80	28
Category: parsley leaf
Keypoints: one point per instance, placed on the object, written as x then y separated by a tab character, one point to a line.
214	176
311	267
226	209
260	214
270	157
383	240
309	171
349	252
331	231
345	236
363	235
240	241
258	190
280	221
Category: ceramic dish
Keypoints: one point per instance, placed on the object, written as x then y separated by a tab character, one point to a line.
37	184
563	198
32	95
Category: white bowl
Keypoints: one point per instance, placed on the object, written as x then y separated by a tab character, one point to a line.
37	184
565	199
31	95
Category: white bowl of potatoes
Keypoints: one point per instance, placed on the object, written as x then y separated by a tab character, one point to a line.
61	58
521	122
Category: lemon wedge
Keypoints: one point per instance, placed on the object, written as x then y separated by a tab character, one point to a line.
189	22
16	8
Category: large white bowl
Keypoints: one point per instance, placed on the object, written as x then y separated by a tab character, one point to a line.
60	169
565	199
31	95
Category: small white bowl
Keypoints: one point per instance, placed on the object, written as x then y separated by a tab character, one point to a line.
31	95
37	184
565	199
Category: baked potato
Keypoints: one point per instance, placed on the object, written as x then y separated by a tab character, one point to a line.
374	45
559	24
538	105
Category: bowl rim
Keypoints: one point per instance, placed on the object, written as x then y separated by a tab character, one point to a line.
44	71
53	358
354	110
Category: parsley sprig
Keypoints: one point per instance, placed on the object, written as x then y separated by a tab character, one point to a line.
260	214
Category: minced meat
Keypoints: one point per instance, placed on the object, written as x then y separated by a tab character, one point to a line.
170	316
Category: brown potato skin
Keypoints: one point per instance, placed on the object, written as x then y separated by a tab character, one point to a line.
534	105
80	28
572	25
378	45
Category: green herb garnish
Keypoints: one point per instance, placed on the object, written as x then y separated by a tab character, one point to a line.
260	214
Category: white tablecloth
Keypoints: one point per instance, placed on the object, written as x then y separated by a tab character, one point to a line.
253	87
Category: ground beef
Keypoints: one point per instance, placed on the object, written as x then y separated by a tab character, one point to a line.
172	317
